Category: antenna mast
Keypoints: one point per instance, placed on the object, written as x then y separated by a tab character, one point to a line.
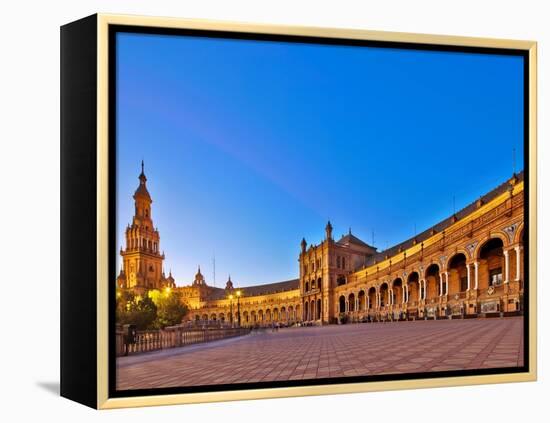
214	268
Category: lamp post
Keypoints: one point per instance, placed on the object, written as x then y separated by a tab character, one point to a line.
238	309
231	309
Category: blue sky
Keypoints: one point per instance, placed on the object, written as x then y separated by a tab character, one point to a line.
250	145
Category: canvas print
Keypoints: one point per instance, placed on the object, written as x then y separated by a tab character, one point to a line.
293	212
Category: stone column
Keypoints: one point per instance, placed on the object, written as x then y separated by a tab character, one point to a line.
446	283
518	262
506	266
441	284
476	266
468	275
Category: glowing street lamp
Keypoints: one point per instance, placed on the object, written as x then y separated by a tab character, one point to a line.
231	309
238	308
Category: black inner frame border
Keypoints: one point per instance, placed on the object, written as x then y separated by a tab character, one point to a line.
113	30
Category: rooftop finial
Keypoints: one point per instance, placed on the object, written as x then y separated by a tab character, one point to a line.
328	231
142	166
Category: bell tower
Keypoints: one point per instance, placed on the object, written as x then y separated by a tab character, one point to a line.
142	259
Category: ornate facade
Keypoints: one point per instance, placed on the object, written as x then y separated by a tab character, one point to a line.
468	265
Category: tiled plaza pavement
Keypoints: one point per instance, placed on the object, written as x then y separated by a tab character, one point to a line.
329	351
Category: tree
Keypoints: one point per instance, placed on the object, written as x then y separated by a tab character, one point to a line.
170	307
136	310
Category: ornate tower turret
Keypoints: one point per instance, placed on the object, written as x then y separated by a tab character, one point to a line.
199	279
229	284
142	260
304	245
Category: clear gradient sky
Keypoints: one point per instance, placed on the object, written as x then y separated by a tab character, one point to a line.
250	146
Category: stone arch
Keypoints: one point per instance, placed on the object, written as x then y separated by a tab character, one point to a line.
384	292
351	302
491	262
413	284
458	273
371	294
362	300
342	304
397	289
519	235
318	309
494	234
432	278
456	252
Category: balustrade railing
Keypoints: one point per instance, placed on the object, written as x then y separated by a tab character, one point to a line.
171	337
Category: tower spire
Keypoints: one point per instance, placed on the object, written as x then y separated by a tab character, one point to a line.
142	177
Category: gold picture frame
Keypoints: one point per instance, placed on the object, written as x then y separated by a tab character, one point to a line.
97	33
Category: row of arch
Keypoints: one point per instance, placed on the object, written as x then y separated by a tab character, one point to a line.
289	313
493	266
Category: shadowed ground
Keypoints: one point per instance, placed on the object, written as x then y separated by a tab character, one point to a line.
331	351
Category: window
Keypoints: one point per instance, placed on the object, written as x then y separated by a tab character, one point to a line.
338	262
343	262
495	277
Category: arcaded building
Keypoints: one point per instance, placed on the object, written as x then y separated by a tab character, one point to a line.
468	265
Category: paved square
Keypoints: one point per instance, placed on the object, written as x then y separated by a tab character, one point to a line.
331	351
